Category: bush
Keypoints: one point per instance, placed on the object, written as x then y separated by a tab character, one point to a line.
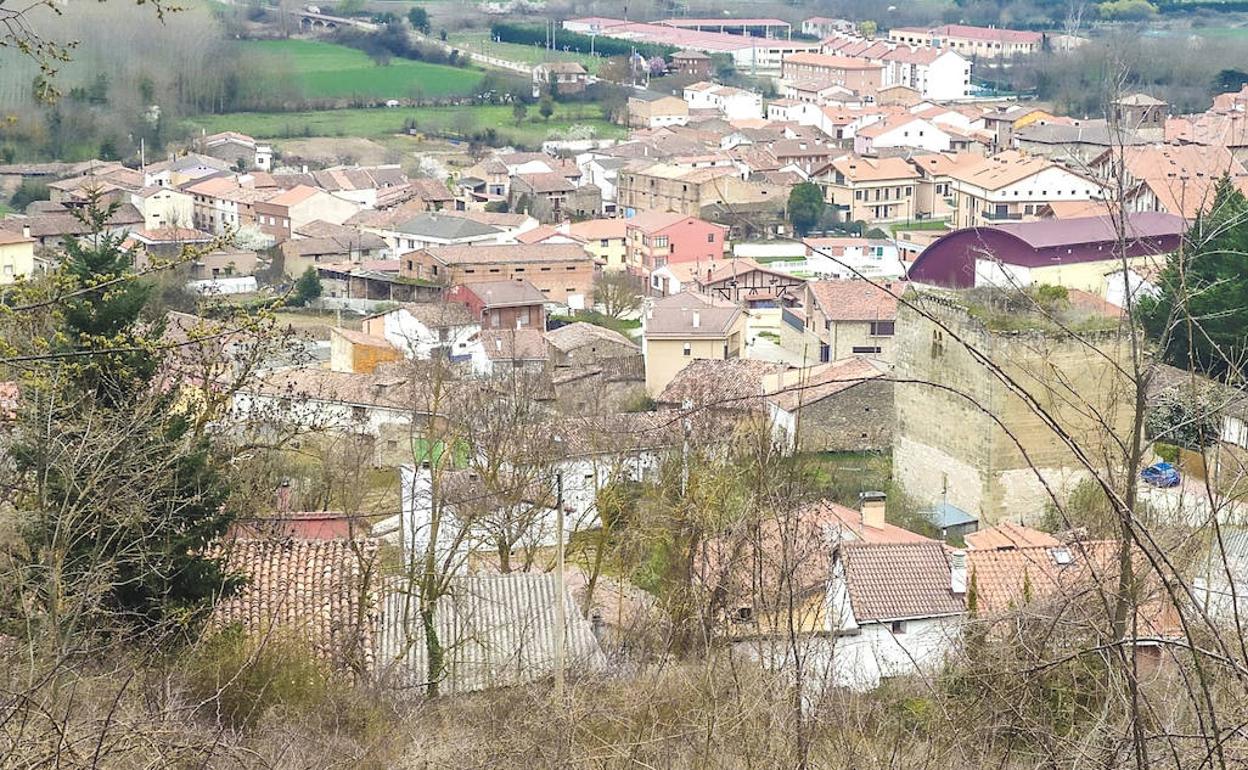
307	288
240	678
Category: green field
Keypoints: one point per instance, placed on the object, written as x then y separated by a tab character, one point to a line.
439	120
478	41
329	71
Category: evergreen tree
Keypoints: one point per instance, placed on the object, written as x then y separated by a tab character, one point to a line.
308	288
805	207
1201	313
124	495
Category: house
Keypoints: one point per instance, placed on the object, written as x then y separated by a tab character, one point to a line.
367	186
506	350
900	132
685	327
862	77
937	74
426	329
1176	179
239	150
653	110
552	197
561	77
435	229
823	26
869	189
848	257
182	169
746	282
278	216
430	194
51	227
1007	534
563	272
606	241
656	238
1002	123
842	406
225	262
1004	461
839	319
17	255
502	304
1013	186
1076	253
585	344
687	190
691	64
163	207
221	205
334	246
1076	145
868	600
352	351
732	103
991	43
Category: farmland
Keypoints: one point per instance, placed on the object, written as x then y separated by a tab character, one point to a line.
328	71
442	120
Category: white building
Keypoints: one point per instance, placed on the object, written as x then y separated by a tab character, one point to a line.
422	329
845	258
897	131
732	103
940	75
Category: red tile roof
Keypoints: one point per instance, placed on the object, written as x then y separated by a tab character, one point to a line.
854	300
897	581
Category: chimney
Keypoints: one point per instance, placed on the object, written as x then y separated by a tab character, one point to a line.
25	231
872	507
697	319
957	572
282	498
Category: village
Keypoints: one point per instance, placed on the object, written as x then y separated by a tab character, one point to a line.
870	348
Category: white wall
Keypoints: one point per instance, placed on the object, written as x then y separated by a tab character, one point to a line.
416	340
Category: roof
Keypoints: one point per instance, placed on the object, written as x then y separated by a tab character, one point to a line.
1009	535
858	169
12	237
439	315
695	55
853	300
360	338
1047	233
830	62
826	381
312	588
1005	578
514	344
579	334
1004	169
497	630
294	196
545	183
993	34
828	514
505	293
447	228
508	253
674	316
386	390
734	383
1097	134
598	229
1140	100
896	581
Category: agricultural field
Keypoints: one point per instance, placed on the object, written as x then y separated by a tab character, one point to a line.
328	71
478	41
440	120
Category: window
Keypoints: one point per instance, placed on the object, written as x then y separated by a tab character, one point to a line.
857	195
359	413
494	319
882	328
865	350
602	242
435	269
688	349
898	627
710	237
659	243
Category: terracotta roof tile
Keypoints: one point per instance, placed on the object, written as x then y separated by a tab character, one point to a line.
896	581
1009	535
857	300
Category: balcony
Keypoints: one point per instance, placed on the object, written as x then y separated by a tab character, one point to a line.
1004	216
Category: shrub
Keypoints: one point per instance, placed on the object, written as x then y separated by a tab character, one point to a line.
240	678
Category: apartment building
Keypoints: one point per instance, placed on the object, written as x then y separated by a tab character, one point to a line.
1011	186
858	75
562	272
979	42
870	189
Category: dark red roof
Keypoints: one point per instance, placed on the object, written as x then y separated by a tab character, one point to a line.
950	260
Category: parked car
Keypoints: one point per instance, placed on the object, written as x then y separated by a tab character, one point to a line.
1160	475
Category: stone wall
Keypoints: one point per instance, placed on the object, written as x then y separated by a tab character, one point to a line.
856	419
964	436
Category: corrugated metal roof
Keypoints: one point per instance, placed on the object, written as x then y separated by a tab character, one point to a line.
497	631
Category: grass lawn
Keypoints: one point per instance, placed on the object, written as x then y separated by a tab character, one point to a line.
329	71
478	41
382	122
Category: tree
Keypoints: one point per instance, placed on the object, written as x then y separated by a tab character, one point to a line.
418	17
308	288
805	206
519	111
547	108
121	492
618	293
1230	81
1202	310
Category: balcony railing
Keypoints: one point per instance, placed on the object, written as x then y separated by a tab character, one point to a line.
1004	216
